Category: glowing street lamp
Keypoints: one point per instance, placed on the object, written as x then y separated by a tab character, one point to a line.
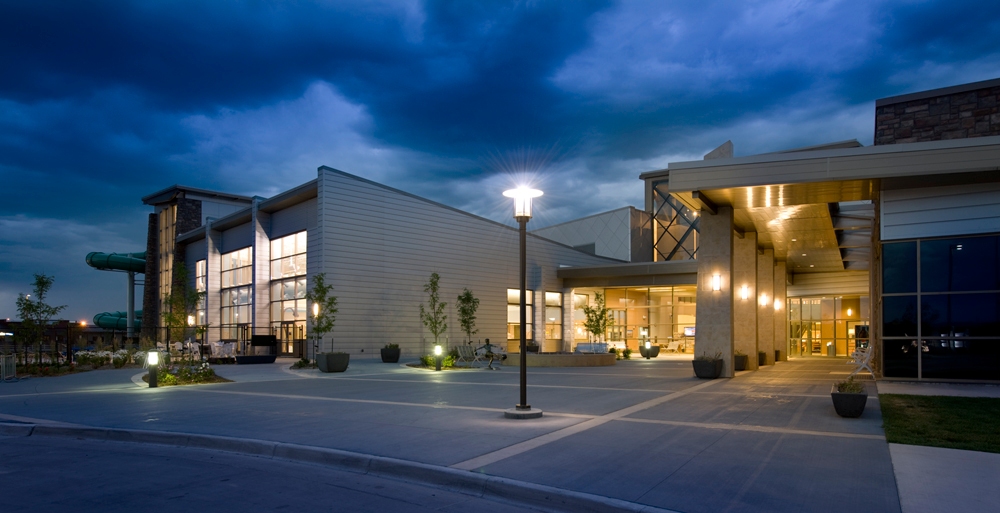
522	213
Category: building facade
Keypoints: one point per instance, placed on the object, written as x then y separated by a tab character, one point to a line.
810	252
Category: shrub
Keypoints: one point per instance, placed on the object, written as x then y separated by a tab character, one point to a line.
708	357
446	361
391	346
850	386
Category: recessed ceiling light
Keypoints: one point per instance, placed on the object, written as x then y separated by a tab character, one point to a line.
811	265
795	240
803	254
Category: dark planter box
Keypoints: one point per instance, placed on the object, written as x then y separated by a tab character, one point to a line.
252	359
652	352
333	362
777	355
707	369
741	361
761	358
390	355
849	405
531	348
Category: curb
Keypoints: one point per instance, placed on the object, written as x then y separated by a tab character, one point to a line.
483	486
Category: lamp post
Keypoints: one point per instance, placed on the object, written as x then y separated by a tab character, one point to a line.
522	213
437	357
315	336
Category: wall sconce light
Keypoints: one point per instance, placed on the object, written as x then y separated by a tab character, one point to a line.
763	299
744	293
848	312
777	304
716	282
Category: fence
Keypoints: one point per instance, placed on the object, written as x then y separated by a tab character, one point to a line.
8	368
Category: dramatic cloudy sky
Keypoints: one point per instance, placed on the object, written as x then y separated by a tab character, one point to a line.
102	103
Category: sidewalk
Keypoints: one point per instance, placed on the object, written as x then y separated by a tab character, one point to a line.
644	431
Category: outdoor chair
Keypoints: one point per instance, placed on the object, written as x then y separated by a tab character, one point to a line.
861	358
673	346
466	354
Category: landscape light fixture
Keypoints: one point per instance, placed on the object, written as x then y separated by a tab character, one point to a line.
648	345
152	362
522	213
315	336
437	357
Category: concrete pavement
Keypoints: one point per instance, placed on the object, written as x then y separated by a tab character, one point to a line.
644	432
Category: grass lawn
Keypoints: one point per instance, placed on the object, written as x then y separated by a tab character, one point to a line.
971	423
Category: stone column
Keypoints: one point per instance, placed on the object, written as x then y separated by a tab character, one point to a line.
745	310
765	311
261	308
781	314
714	324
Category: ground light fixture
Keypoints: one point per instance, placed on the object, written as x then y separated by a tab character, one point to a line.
152	362
522	213
437	357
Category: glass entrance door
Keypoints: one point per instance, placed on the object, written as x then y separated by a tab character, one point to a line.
290	338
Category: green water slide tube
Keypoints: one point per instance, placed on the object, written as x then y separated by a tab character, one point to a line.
132	262
117	320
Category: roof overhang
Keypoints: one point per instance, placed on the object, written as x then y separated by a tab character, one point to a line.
681	272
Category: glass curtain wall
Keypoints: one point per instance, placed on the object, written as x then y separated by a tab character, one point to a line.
941	308
827	326
663	315
553	322
674	227
288	291
236	275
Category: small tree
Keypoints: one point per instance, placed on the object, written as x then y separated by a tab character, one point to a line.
183	301
467	306
433	316
36	313
324	321
599	318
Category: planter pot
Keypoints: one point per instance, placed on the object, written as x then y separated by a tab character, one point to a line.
707	369
741	362
652	352
761	359
390	355
333	362
847	404
531	348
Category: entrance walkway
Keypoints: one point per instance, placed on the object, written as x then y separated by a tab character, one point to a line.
643	431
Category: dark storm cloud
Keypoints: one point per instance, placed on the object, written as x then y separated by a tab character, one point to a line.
102	103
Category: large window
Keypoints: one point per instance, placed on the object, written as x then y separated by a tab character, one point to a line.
514	315
821	325
288	289
941	308
674	226
664	316
553	316
237	294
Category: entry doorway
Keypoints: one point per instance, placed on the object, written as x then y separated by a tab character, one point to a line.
291	338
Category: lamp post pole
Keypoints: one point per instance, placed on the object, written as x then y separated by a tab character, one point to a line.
522	213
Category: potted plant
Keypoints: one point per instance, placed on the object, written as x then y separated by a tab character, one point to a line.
433	315
849	398
390	353
324	315
708	366
652	352
741	361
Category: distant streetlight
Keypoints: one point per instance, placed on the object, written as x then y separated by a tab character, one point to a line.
522	213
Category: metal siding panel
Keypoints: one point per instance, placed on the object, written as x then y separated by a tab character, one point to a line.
837	283
293	219
940	211
237	238
380	247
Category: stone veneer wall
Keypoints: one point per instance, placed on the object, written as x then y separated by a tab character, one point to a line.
151	280
956	115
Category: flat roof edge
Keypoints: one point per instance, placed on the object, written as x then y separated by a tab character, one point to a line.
942	91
